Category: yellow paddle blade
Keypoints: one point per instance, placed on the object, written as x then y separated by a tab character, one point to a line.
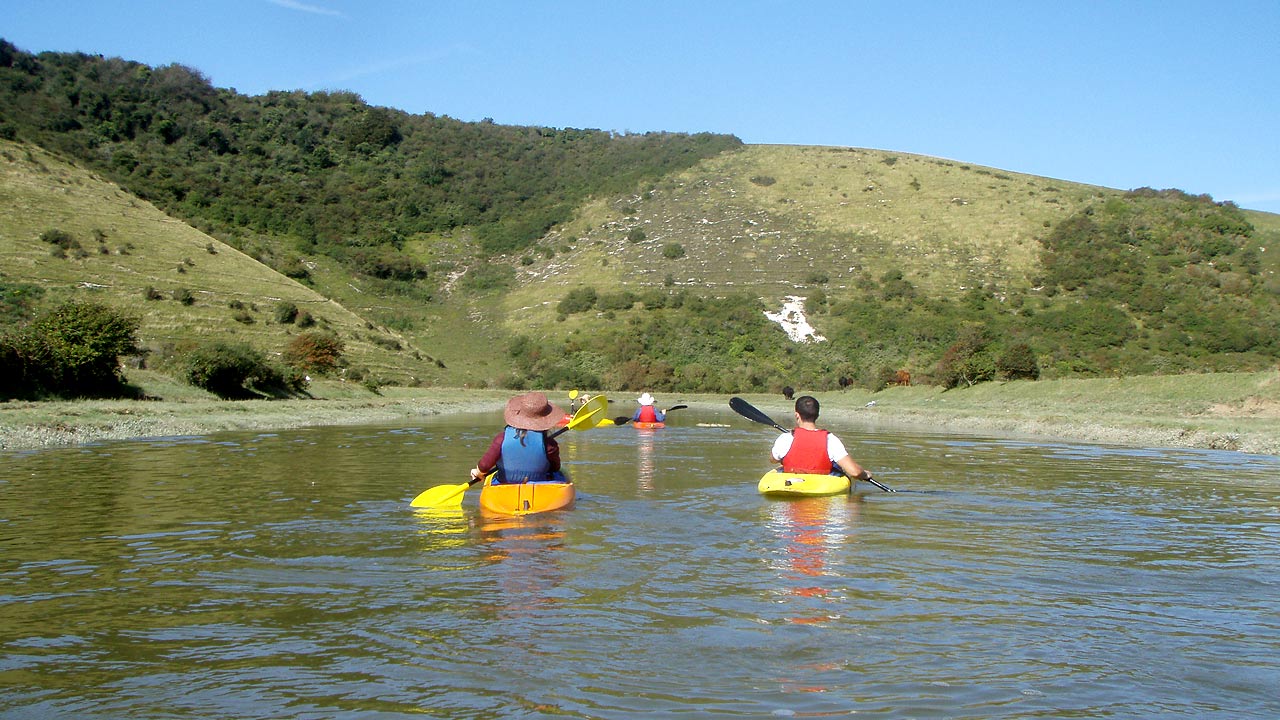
584	418
441	496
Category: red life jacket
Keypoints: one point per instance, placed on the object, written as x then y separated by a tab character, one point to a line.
808	453
647	414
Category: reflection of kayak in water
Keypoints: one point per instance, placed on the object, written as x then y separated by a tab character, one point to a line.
526	498
641	425
776	483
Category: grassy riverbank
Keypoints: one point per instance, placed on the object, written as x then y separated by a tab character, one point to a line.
1228	411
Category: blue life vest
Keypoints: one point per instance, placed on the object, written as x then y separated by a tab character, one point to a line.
523	459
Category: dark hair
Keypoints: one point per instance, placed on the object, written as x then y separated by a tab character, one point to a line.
807	408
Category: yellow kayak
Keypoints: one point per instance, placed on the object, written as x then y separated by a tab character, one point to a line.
776	483
526	498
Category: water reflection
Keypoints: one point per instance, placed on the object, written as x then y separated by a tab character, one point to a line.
809	530
525	555
644	459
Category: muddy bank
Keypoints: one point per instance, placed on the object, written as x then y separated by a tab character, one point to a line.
37	425
1137	413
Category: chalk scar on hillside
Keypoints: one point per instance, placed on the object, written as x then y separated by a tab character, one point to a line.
793	321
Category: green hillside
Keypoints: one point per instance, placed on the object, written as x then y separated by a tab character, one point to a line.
775	220
475	254
127	247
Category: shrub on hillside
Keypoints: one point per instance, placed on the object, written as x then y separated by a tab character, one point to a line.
17	301
578	300
967	361
235	371
285	312
622	300
71	351
317	352
1018	362
60	238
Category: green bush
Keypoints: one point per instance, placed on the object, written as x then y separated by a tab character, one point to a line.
285	312
236	371
72	351
578	300
1018	362
60	238
224	369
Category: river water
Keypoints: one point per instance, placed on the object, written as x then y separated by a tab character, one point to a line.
284	575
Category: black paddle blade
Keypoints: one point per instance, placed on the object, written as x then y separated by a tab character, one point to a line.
749	411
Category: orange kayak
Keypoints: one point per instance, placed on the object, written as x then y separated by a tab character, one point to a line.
526	498
648	425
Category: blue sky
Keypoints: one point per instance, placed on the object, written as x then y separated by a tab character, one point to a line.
1120	94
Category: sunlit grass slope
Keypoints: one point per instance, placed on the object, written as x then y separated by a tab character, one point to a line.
775	220
127	246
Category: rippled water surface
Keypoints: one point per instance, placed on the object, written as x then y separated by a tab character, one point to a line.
284	575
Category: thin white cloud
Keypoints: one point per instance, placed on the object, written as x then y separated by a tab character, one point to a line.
304	7
396	64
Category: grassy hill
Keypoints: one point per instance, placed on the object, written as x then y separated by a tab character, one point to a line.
751	226
478	254
128	247
777	220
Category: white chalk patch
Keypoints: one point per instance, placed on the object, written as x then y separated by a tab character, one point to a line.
793	321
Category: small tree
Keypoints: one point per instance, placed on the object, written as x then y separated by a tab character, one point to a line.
224	369
1018	362
968	360
71	351
86	341
317	352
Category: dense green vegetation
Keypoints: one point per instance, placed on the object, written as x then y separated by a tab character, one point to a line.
70	351
1144	283
324	170
584	258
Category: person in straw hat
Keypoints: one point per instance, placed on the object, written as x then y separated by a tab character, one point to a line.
647	412
522	452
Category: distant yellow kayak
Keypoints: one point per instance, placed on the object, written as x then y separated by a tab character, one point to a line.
776	483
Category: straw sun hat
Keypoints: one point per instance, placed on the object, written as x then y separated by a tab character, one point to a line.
532	411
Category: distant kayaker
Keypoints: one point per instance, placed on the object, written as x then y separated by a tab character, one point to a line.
808	450
647	412
522	452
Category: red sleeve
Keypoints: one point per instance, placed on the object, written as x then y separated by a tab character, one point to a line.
489	462
553	453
